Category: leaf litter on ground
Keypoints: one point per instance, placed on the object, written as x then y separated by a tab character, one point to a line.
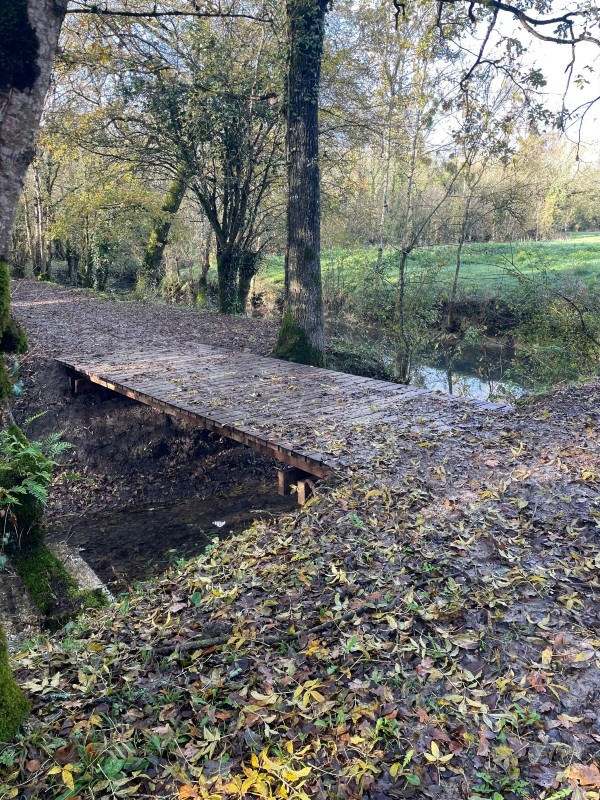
425	627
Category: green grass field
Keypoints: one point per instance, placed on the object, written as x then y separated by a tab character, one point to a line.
486	268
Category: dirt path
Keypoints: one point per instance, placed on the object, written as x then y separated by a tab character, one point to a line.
60	319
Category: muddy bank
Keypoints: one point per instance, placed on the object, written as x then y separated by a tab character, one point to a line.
124	453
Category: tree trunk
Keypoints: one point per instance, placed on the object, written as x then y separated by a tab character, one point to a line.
42	264
72	264
149	273
29	231
29	31
404	348
301	337
205	266
227	273
454	290
248	267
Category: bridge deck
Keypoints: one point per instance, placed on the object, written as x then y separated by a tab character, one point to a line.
288	411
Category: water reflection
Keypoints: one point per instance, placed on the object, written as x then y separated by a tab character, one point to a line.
475	371
463	385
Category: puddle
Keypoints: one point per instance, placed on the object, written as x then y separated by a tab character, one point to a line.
136	542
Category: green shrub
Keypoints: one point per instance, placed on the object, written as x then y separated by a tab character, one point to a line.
25	472
13	705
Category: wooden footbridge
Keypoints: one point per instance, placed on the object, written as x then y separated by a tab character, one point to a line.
275	407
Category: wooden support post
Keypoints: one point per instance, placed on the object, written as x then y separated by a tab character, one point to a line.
286	476
81	386
305	490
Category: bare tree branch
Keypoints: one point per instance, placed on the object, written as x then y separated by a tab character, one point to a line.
155	13
531	24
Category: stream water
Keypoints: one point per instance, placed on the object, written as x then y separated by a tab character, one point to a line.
129	544
478	372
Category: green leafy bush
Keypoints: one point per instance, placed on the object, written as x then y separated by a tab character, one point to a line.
25	472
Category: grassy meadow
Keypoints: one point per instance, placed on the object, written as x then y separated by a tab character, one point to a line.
486	268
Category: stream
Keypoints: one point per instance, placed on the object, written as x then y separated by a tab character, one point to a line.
474	371
477	372
130	544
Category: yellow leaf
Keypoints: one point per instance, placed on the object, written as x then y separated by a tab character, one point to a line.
435	750
395	769
302	773
547	656
289	746
67	777
254	760
54	771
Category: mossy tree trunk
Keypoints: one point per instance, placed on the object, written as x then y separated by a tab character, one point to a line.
248	267
205	265
302	336
227	275
150	271
13	705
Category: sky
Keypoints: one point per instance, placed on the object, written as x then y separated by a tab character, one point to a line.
553	60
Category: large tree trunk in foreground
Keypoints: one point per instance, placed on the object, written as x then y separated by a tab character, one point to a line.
301	337
29	31
149	274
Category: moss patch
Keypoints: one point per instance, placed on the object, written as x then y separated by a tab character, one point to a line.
293	344
13	705
14	338
52	588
